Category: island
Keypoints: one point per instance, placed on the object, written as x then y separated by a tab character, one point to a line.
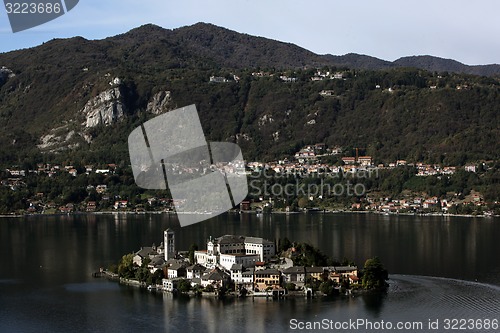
238	266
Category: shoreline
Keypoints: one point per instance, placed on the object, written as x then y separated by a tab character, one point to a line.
292	294
232	294
251	212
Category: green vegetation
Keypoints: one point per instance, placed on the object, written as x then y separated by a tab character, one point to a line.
184	285
393	113
328	288
128	270
192	249
307	255
126	267
398	183
410	121
374	275
209	288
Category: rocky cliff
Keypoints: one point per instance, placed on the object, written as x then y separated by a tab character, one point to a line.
105	109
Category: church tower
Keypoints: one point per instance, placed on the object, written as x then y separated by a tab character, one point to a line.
169	243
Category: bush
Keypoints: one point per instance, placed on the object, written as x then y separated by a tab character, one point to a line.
327	288
374	274
184	285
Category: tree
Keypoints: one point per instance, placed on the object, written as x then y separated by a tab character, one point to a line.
374	274
309	256
113	268
142	273
303	202
312	283
126	266
284	244
192	249
327	287
198	289
184	285
157	277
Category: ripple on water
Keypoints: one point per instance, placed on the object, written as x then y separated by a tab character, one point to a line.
439	298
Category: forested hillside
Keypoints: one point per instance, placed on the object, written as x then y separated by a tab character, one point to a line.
46	97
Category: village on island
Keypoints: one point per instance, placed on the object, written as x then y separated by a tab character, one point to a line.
240	266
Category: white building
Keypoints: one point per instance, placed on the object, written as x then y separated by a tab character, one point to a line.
144	253
169	285
176	270
264	248
230	249
169	243
242	276
246	260
218	79
471	168
195	271
206	259
215	277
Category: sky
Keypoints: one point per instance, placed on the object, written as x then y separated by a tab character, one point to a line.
464	30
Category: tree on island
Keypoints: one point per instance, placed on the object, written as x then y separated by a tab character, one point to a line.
184	285
209	288
284	244
192	249
155	278
303	203
312	283
126	267
374	274
308	255
328	288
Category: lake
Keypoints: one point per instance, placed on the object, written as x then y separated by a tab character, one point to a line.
441	268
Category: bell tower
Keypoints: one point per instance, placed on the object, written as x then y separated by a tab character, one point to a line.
169	243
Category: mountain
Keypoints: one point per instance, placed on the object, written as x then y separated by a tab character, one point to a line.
76	100
358	61
231	49
436	64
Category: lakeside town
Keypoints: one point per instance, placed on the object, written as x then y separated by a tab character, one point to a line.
97	189
244	266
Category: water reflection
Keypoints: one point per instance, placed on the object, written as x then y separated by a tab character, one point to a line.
46	283
374	302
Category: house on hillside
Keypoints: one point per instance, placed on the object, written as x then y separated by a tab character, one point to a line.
349	160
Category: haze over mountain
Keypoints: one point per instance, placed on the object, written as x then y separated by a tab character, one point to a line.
84	97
